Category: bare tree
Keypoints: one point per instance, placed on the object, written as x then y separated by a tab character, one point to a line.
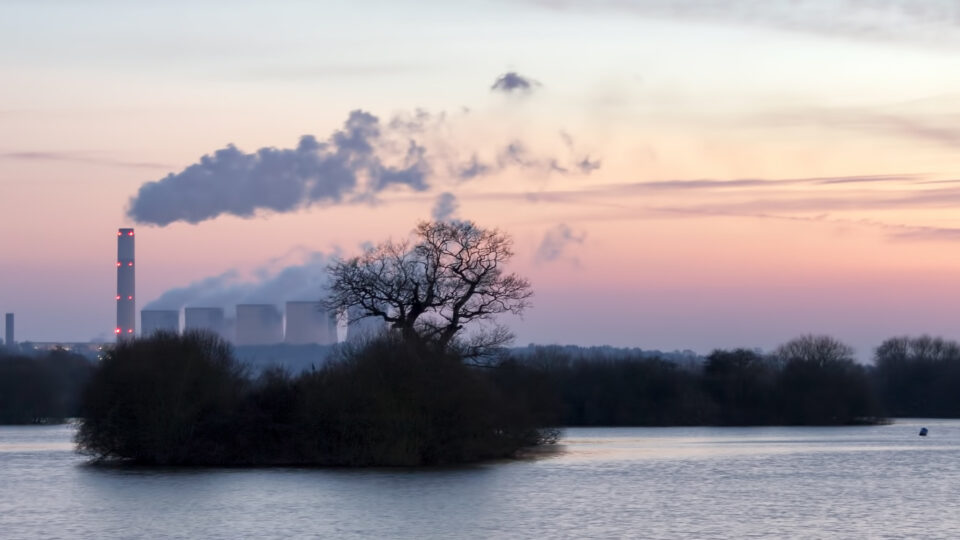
817	350
451	275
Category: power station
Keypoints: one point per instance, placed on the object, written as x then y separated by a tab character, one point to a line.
309	322
126	287
303	322
10	341
205	318
258	324
159	320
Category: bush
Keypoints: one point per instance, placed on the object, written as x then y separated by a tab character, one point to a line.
165	400
184	400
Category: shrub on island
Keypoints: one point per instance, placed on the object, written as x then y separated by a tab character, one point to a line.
184	400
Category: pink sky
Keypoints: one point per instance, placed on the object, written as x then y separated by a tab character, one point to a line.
755	175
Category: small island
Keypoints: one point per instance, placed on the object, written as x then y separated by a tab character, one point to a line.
411	396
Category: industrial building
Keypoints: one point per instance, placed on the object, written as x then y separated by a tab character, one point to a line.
157	320
302	323
126	287
258	324
10	341
309	322
205	318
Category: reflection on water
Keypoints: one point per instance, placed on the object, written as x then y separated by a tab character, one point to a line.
857	482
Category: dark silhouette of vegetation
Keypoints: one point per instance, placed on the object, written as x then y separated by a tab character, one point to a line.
184	400
809	381
430	290
41	388
919	377
742	386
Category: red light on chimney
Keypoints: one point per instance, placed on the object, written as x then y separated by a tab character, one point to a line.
129	298
118	263
118	297
129	330
129	264
119	233
117	331
130	233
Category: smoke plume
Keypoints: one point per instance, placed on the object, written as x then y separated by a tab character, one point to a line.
445	207
556	241
267	285
349	163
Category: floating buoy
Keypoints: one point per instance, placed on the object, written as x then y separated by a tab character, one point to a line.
923	432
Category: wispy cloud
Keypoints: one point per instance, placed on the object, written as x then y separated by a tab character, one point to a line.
89	157
308	72
941	129
928	22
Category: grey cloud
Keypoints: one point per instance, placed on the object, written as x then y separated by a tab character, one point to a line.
556	242
512	82
445	206
234	182
940	129
302	281
515	154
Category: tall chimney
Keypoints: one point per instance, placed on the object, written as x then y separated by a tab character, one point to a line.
126	301
9	335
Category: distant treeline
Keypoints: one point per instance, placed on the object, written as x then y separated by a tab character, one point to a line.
812	380
41	387
184	400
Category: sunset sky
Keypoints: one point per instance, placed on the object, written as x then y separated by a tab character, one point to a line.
676	174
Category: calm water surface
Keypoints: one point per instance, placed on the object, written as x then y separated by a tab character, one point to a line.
860	482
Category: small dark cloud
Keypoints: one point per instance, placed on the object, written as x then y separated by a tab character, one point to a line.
512	82
557	241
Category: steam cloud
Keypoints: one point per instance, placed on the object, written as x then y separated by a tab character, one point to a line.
354	164
445	207
234	182
516	154
556	241
303	281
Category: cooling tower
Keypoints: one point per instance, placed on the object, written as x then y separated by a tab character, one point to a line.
259	324
204	318
9	335
155	320
126	303
309	322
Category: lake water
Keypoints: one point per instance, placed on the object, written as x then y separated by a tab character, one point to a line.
851	482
